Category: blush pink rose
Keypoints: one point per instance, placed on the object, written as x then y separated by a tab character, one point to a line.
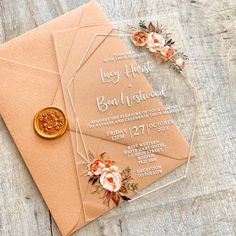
139	38
111	179
155	42
180	62
96	167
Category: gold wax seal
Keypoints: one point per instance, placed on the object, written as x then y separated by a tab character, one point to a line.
50	122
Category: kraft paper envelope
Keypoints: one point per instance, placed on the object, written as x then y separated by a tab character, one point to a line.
87	86
30	81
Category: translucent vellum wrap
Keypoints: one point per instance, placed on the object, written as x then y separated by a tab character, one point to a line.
126	106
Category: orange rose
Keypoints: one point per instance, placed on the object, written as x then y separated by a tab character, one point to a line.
96	167
139	38
167	52
111	179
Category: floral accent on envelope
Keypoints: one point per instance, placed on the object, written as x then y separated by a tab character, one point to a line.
159	43
110	180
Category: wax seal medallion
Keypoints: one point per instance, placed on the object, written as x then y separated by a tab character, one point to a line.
50	122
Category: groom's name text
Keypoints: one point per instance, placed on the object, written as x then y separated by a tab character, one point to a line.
103	104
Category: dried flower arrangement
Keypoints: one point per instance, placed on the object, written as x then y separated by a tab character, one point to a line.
159	43
109	179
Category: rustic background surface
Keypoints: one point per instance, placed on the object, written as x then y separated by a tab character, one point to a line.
203	204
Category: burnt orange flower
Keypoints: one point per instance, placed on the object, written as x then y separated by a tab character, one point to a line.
166	53
139	38
96	167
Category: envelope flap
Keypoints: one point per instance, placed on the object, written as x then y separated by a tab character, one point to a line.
36	47
65	48
29	82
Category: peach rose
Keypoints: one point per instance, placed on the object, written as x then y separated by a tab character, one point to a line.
96	167
111	179
180	62
155	42
167	52
139	38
